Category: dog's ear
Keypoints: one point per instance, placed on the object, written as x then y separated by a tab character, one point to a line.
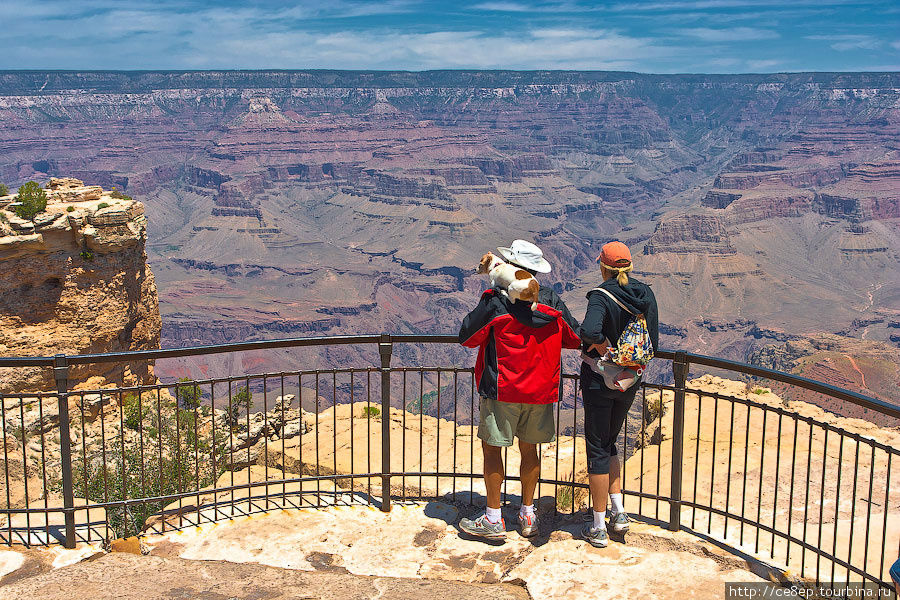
485	263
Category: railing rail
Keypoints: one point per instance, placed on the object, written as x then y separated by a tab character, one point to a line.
821	445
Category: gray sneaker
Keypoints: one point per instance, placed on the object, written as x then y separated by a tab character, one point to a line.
528	526
618	522
481	527
597	538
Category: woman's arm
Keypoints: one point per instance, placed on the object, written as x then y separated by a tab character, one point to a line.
594	317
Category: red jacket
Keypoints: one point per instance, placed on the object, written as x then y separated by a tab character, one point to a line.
519	349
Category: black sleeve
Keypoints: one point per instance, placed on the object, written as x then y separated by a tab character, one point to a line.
478	319
557	303
653	322
594	317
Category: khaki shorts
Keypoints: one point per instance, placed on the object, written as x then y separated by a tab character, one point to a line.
500	421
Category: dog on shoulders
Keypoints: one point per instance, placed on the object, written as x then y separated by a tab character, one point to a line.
509	280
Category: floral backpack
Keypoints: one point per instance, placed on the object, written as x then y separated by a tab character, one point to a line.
634	348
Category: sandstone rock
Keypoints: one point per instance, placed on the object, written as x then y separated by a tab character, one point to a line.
93	404
64	183
54	298
130	545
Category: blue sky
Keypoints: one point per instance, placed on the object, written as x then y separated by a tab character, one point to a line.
653	36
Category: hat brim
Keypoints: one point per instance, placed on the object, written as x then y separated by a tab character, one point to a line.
541	265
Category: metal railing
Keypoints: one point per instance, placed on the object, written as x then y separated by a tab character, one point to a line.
756	473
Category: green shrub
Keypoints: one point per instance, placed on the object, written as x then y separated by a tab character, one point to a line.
185	465
371	411
240	402
4	191
70	209
118	195
188	395
32	199
3	217
759	390
135	411
86	254
102	205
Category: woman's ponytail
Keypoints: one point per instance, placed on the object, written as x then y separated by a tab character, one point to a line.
622	276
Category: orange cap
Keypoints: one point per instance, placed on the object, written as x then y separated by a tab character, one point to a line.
615	255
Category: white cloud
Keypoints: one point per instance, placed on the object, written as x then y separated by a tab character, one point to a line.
844	42
761	66
732	34
504	7
688	5
895	45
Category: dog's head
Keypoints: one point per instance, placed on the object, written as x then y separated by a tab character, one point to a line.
484	265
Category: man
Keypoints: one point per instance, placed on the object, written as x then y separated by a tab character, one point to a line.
518	373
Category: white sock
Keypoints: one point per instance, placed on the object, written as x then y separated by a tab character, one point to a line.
600	520
527	511
618	505
492	514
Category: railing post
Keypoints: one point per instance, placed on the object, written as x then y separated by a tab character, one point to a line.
680	371
385	348
61	375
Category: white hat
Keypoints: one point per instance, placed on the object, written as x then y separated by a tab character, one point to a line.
527	255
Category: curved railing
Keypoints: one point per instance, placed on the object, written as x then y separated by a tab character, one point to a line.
766	477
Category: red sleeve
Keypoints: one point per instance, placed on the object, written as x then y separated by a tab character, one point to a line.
570	339
477	324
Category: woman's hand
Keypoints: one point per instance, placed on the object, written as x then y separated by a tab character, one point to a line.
599	348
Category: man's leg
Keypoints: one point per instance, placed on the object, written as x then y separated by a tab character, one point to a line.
529	471
493	473
495	431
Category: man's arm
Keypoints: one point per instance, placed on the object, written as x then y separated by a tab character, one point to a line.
570	325
474	329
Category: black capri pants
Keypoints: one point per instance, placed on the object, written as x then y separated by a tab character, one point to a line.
604	415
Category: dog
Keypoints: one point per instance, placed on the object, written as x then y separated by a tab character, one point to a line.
514	283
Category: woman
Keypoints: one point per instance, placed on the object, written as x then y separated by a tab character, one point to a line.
605	408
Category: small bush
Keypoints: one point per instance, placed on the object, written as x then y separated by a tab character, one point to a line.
4	191
3	217
371	411
102	205
759	390
86	255
70	209
131	406
240	402
654	408
118	195
188	395
32	199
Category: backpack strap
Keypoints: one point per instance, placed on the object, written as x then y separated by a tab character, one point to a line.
614	299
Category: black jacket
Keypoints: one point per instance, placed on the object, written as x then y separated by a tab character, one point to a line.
519	348
606	319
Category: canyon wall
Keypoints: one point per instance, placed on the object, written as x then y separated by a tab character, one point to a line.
329	202
76	281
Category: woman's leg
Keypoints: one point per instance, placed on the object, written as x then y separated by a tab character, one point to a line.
621	406
597	416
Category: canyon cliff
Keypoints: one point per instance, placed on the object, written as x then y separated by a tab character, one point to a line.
76	281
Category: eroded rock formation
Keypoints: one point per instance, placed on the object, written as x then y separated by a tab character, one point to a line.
76	281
